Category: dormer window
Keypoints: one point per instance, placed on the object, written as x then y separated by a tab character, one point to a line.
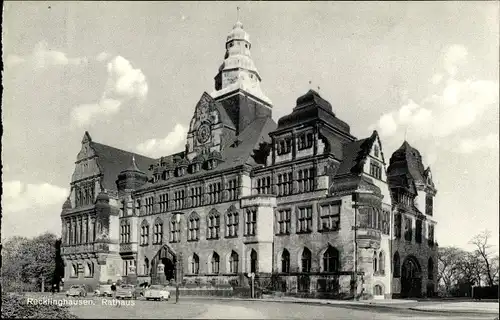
181	171
375	170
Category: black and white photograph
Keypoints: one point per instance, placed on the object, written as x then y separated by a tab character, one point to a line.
250	160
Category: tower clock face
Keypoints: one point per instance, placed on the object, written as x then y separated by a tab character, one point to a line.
203	133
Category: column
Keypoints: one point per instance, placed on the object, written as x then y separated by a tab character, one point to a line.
70	231
73	228
92	229
84	227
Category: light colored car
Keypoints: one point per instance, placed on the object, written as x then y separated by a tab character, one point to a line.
76	290
126	291
103	290
157	292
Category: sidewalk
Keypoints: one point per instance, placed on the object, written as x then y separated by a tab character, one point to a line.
462	307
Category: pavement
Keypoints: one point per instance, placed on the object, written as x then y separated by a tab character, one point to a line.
460	306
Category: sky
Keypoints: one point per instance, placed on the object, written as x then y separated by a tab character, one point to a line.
131	73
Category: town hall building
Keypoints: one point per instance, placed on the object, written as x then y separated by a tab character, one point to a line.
302	205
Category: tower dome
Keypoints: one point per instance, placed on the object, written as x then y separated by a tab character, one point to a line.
131	178
238	71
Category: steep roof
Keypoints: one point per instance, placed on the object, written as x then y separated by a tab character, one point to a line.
405	163
235	153
113	160
355	154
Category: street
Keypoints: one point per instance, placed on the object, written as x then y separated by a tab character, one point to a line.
193	308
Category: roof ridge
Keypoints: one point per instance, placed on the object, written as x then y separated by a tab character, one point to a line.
134	153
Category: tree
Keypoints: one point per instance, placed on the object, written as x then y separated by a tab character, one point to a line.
448	266
483	249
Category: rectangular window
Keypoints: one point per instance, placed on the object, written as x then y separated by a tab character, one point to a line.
174	231
397	225
232	224
164	202
330	217
144	235
214	193
304	220
305	141
149	205
284	146
418	231
375	169
430	236
196	196
179	197
284	221
306	180
157	233
408	229
233	189
428	204
264	185
250	222
284	184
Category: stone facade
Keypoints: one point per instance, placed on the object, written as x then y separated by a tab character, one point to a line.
302	204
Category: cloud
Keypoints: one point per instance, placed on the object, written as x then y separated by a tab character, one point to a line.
436	79
18	196
124	84
160	147
489	142
453	108
44	57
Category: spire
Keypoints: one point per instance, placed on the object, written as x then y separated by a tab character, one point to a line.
133	165
238	71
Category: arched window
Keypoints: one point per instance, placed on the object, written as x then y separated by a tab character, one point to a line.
213	223
397	265
305	260
381	262
375	263
158	231
74	270
377	290
253	261
232	222
89	270
331	260
146	266
430	269
285	261
144	233
195	264
233	262
215	262
194	227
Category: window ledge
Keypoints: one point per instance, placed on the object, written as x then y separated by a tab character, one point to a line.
304	232
216	238
193	240
283	234
232	237
329	230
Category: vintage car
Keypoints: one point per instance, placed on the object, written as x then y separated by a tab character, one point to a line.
126	291
103	290
77	290
156	292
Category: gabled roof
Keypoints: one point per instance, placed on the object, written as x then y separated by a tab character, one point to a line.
355	154
113	160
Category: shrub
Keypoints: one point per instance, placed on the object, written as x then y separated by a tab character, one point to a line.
15	306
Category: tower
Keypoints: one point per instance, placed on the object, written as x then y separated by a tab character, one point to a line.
237	83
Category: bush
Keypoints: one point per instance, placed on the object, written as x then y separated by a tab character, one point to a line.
15	306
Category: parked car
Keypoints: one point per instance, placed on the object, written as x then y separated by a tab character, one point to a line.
103	290
126	291
77	290
157	292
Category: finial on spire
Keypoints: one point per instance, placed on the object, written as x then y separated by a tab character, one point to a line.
237	13
406	132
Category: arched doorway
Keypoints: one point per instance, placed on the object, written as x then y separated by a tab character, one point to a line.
411	278
167	257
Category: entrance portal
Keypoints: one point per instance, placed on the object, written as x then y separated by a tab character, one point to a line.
411	278
166	257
